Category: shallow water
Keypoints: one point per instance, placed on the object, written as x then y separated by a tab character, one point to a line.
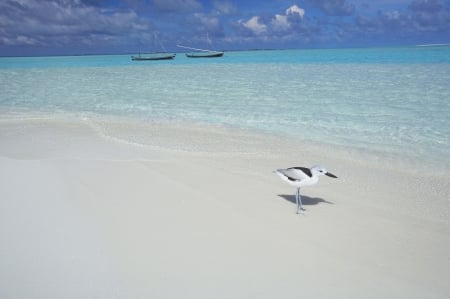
390	103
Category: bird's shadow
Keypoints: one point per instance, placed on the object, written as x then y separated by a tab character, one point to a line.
306	200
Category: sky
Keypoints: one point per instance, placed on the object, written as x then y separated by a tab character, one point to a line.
75	27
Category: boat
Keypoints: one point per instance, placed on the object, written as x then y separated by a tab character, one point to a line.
202	53
153	56
159	53
208	54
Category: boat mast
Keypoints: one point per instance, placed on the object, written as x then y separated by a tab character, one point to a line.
195	49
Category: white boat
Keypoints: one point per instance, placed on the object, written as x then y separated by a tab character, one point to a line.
202	53
155	55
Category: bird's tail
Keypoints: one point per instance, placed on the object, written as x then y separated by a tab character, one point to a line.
281	175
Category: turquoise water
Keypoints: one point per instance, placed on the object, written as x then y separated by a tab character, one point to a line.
389	101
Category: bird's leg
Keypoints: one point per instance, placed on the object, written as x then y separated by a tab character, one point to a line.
300	201
296	199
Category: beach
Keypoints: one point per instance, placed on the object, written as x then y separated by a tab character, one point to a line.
125	180
194	211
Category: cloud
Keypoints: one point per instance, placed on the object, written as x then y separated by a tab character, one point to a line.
288	28
280	28
61	23
91	26
429	15
280	23
294	9
422	21
254	25
18	40
284	22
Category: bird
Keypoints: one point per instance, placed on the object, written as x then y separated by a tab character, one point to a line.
301	177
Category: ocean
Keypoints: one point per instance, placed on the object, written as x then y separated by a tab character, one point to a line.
391	103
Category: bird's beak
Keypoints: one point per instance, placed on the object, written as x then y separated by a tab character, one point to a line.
331	175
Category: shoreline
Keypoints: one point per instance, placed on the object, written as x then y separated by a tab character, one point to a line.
86	215
117	129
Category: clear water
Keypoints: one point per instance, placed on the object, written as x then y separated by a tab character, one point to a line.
390	101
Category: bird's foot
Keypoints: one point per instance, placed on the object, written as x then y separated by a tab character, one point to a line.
301	211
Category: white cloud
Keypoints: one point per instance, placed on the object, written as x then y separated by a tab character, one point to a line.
294	9
280	23
255	26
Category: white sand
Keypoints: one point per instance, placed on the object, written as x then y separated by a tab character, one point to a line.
198	214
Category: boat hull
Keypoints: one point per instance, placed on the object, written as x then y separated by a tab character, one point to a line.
204	55
154	57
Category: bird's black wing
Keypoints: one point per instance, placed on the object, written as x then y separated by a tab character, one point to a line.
305	170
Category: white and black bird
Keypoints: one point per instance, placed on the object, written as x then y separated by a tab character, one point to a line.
300	177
